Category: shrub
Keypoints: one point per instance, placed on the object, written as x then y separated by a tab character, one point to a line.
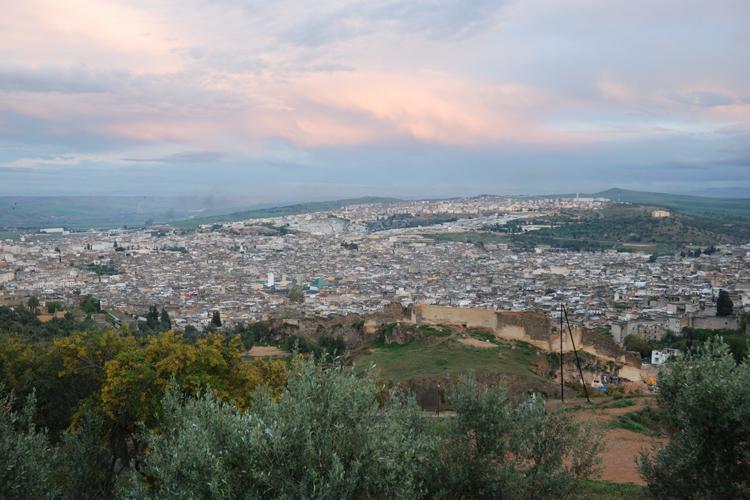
705	395
330	436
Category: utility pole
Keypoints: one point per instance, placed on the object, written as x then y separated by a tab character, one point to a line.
562	387
438	387
578	361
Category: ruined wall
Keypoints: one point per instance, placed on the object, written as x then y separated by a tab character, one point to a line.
535	325
714	322
438	315
533	328
392	313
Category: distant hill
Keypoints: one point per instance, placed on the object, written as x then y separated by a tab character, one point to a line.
298	208
100	212
632	228
105	212
683	203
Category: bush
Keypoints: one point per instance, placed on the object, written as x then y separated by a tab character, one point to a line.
26	457
495	450
325	437
329	436
705	395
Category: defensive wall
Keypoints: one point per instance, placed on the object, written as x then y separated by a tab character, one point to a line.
531	327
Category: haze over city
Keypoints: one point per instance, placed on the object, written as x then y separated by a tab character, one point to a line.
289	100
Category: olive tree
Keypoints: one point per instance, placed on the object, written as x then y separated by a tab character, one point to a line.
492	449
326	436
26	457
331	434
706	395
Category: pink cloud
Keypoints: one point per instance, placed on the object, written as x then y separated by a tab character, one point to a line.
426	107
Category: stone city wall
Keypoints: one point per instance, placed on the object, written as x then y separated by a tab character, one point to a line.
531	327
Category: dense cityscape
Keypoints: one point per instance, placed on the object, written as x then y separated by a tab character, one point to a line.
246	269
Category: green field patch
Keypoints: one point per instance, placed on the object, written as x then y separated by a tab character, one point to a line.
446	355
648	420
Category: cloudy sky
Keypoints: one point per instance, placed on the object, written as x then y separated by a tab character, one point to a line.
282	100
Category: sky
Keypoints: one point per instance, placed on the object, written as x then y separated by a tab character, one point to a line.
289	100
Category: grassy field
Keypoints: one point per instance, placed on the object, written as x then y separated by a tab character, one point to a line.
435	355
648	421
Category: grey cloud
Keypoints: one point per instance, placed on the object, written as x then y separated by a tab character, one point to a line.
451	19
437	19
77	79
186	157
707	99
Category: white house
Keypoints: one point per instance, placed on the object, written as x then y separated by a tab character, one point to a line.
660	356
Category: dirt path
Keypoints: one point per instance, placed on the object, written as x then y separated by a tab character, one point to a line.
481	344
622	447
619	457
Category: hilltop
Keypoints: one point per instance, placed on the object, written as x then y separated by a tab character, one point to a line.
298	208
683	203
101	212
624	227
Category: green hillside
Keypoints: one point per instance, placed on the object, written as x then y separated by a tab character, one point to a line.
683	203
263	213
441	351
98	212
105	212
633	228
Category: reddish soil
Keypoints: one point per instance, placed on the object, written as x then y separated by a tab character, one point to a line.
619	457
622	447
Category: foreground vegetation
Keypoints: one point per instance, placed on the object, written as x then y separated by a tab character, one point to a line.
706	398
91	412
329	434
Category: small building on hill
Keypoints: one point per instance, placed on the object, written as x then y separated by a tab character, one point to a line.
660	356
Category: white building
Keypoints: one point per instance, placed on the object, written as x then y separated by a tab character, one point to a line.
660	356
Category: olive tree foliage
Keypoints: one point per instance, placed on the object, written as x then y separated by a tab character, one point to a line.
326	436
26	458
706	395
494	450
85	467
32	467
330	436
